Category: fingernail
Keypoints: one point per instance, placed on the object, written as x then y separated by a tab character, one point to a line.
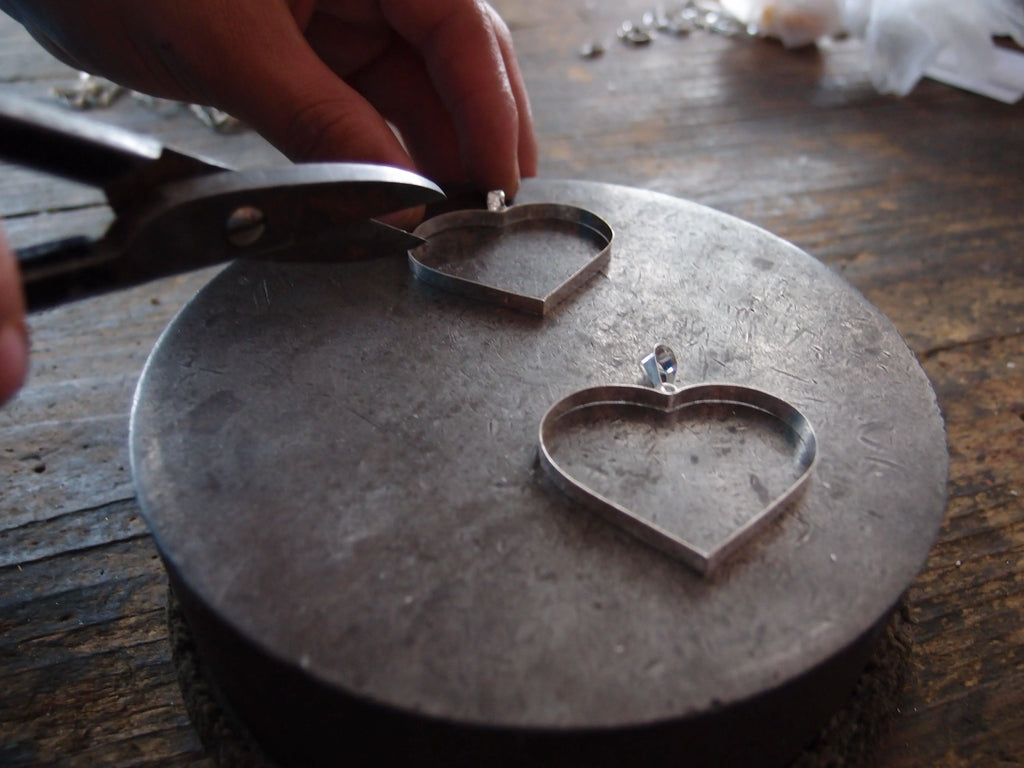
13	358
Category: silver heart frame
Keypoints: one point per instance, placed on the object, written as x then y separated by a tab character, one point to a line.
427	266
667	400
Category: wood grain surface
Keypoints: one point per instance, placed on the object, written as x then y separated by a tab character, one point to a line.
918	202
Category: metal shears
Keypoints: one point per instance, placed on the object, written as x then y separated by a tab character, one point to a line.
176	212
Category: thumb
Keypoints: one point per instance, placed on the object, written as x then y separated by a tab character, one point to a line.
266	74
275	82
310	114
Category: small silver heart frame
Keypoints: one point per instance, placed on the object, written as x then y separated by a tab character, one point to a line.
668	399
561	247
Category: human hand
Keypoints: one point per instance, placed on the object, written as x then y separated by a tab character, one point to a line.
13	335
320	78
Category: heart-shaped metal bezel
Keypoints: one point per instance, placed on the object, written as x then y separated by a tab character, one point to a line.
428	261
668	400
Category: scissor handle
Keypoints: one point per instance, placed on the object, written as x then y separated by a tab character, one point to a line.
61	271
177	212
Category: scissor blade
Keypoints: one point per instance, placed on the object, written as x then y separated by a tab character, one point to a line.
356	240
293	193
352	241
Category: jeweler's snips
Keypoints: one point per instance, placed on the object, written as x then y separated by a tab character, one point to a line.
175	212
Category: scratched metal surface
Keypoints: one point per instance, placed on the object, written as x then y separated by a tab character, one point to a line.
342	464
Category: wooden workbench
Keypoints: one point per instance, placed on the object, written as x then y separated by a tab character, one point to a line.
918	202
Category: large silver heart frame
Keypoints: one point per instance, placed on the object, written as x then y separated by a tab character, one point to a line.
625	398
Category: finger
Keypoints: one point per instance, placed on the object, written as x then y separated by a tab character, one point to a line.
303	108
416	110
266	73
528	153
396	82
459	42
13	333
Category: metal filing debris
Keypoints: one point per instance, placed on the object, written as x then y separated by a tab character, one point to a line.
87	92
678	20
93	92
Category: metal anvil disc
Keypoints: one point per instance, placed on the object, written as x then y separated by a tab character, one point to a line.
339	467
